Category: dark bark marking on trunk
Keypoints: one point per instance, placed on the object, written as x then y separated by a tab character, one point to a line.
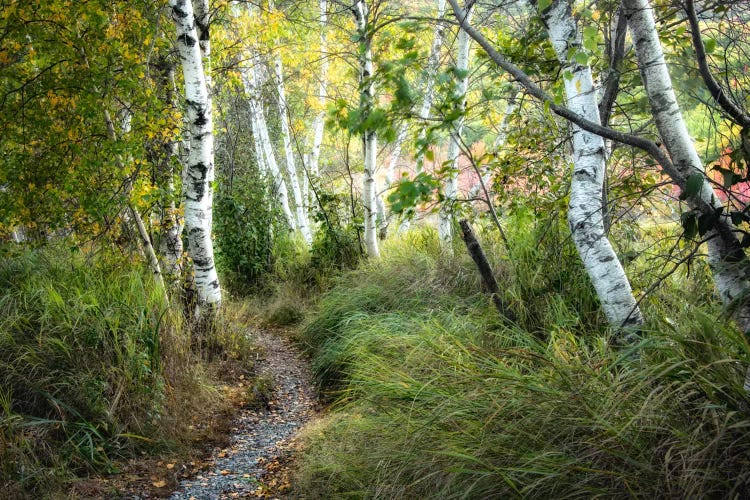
202	263
187	40
179	11
201	169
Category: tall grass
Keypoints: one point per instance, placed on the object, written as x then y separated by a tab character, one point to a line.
436	397
91	364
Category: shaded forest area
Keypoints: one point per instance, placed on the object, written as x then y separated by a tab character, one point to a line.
179	180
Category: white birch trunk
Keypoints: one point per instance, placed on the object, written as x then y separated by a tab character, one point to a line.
319	122
171	238
202	26
729	266
584	208
17	235
259	157
450	186
433	63
369	137
299	203
252	88
200	165
728	262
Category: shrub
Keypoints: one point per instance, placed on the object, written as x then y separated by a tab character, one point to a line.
247	222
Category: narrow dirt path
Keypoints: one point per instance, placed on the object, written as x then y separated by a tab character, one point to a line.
259	435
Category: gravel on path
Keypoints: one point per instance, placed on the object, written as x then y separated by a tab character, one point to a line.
259	434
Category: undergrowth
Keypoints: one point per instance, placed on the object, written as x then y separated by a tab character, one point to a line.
94	367
435	396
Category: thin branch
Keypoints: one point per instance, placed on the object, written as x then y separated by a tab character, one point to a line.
650	147
729	106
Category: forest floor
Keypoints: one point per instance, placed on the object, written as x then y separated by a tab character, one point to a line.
247	454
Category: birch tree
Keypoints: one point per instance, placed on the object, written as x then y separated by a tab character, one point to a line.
584	209
171	248
318	126
728	261
425	109
133	215
431	69
251	81
680	162
291	165
199	171
369	134
585	215
450	184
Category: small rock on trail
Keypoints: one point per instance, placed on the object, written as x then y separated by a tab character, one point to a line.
259	434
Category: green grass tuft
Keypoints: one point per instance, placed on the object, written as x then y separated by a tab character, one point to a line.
435	396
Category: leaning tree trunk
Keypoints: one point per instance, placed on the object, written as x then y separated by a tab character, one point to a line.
302	222
257	116
369	136
728	261
433	63
320	118
589	162
450	186
134	217
199	175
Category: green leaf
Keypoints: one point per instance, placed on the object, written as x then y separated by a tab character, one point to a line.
590	38
581	58
692	186
710	45
543	4
689	224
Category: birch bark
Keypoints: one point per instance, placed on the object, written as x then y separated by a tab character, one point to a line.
585	215
450	187
251	81
199	175
433	63
319	122
299	203
369	137
171	238
728	261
